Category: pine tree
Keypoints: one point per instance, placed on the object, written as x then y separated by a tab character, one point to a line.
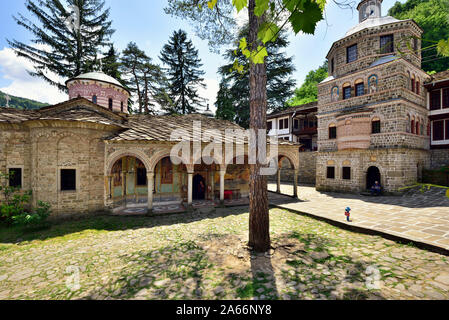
66	39
143	78
111	64
224	102
280	84
183	74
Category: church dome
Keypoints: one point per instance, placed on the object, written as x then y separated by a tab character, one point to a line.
371	23
98	76
101	89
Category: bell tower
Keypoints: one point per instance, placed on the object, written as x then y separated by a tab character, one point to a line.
369	9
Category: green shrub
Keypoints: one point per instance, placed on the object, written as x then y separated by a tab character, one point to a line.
38	216
14	205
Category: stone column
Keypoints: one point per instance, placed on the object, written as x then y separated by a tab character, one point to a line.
150	183
278	181
123	184
295	184
190	189
222	185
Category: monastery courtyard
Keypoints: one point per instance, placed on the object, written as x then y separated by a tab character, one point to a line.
203	254
420	217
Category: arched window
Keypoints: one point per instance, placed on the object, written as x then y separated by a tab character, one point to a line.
375	125
417	86
413	83
346	91
407	127
332	131
417	127
121	106
94	99
359	88
412	125
110	103
421	130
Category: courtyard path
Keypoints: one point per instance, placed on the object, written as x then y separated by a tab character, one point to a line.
421	217
204	256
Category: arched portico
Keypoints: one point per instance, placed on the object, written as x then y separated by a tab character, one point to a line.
128	176
287	162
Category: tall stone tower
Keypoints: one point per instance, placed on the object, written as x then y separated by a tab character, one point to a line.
101	89
372	116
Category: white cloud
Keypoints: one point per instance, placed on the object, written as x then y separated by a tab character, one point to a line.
210	93
14	69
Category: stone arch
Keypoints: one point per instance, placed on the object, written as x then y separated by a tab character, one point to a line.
117	155
379	167
158	156
285	155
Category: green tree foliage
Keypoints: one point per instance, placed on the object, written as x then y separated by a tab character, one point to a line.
64	43
308	92
280	84
224	102
184	74
142	77
433	17
21	103
111	64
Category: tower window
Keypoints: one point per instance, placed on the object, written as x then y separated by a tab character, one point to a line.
375	126
386	44
347	173
346	92
332	132
121	106
94	99
15	177
330	173
351	53
68	179
359	89
110	103
332	65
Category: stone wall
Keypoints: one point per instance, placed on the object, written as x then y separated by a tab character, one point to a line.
15	151
368	45
68	147
439	158
398	168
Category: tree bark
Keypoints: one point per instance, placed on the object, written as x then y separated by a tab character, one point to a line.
259	221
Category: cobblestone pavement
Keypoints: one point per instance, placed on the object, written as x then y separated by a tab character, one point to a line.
422	217
204	256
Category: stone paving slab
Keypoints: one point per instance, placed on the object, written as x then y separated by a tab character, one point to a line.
420	217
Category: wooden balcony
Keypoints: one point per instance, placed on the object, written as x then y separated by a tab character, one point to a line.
305	131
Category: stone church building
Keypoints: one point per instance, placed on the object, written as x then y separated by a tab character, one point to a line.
373	117
88	154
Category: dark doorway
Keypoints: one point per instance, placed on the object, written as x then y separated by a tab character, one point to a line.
372	176
199	187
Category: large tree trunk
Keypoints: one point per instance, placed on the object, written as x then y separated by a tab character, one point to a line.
259	222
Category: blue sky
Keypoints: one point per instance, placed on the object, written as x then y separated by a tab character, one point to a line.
144	22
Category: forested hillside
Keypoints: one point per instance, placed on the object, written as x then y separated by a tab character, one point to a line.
21	103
